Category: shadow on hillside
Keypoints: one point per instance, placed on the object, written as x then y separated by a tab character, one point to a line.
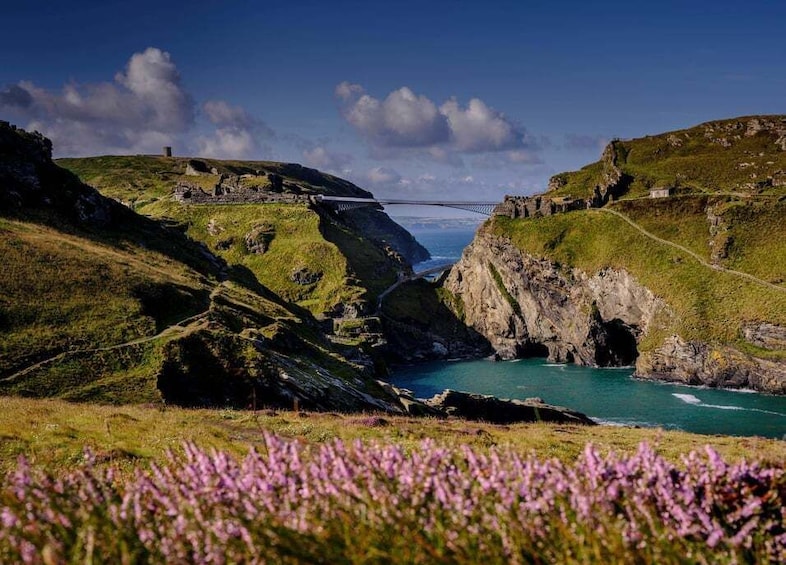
419	326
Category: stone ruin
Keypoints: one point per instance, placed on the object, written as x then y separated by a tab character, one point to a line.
537	206
214	187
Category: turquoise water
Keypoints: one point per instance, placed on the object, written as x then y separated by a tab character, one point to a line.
607	395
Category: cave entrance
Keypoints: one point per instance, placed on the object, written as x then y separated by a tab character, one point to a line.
532	349
618	348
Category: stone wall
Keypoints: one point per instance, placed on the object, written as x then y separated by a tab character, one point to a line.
192	194
537	206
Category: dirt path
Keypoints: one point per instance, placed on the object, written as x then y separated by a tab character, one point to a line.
693	254
171	329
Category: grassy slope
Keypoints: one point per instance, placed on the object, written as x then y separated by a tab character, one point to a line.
352	267
142	179
62	291
53	433
731	181
691	160
707	304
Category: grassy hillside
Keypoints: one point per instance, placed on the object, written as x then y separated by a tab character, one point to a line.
141	179
740	155
344	267
707	304
53	433
345	260
98	303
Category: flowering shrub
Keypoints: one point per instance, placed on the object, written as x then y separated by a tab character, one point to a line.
339	503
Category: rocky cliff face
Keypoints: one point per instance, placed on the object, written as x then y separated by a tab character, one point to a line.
528	306
28	178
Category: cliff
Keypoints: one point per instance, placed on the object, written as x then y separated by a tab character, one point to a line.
673	260
590	288
99	303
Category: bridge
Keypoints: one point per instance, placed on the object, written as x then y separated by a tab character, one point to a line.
344	203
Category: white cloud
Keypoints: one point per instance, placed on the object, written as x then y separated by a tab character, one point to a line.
406	120
383	176
347	90
145	107
479	128
228	143
322	158
236	134
403	119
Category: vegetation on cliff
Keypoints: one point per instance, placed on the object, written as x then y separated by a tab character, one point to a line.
739	155
713	251
100	303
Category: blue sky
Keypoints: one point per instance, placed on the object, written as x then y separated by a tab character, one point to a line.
407	99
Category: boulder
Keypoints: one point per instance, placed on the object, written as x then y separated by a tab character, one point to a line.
503	411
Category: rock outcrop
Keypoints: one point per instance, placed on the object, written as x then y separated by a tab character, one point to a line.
29	179
526	306
503	411
484	408
529	306
698	363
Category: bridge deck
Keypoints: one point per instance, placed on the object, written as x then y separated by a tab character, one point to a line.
344	203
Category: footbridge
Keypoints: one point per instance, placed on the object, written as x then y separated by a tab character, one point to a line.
344	203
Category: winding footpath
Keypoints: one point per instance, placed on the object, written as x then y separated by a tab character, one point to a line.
693	254
177	326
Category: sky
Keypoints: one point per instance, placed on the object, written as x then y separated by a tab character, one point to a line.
413	100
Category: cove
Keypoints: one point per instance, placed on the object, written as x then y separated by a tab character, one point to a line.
609	396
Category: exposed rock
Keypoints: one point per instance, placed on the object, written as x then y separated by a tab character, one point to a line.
29	178
195	168
213	227
696	363
767	336
259	238
305	276
503	411
527	306
224	244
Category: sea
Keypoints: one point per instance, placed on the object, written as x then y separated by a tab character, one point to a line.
609	396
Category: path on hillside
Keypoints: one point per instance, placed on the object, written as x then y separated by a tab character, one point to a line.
413	276
177	326
693	254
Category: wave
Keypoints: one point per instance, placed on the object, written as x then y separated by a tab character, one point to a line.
690	399
628	423
687	398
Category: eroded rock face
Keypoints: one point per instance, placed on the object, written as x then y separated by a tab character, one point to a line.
697	363
529	306
524	305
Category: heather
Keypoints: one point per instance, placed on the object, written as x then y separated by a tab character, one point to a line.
347	502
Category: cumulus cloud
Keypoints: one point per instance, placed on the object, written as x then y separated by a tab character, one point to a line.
145	107
322	158
403	119
478	128
383	176
236	134
407	120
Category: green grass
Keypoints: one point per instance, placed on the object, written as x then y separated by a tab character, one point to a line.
705	304
299	241
53	433
144	179
690	160
61	291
